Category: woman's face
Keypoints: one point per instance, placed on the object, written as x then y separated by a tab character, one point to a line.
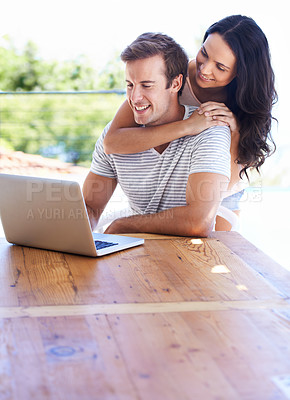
216	64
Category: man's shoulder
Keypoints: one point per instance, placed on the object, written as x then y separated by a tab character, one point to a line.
105	130
99	146
214	136
217	130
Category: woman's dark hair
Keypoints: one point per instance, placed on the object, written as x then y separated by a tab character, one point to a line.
150	44
251	94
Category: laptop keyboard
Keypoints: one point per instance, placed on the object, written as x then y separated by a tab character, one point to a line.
101	244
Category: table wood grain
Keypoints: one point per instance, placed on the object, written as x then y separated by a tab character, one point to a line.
176	318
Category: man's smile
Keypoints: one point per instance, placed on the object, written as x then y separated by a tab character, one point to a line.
141	108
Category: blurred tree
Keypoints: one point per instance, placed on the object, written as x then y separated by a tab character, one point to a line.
10	64
26	71
65	126
112	76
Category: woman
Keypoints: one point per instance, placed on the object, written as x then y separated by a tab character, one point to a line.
231	81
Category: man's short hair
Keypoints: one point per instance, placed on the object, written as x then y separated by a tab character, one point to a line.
152	44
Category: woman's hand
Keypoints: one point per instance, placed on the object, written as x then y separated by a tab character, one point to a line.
199	121
219	112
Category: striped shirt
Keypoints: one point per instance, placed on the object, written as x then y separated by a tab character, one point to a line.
155	182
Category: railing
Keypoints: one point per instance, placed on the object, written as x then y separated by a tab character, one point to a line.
56	124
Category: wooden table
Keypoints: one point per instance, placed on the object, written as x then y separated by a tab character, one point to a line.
177	318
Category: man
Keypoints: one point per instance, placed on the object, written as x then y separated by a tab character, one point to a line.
175	188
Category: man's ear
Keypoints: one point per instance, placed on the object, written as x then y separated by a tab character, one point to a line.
177	83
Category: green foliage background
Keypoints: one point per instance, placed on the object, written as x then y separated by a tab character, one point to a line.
59	125
63	125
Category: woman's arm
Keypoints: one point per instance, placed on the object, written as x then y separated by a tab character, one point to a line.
125	136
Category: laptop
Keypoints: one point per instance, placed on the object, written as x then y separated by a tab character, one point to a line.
51	214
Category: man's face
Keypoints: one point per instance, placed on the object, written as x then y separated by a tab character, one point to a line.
147	95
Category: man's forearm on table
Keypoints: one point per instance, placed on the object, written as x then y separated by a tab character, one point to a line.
181	221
